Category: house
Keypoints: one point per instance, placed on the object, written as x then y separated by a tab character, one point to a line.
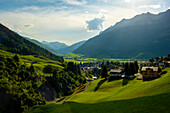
149	72
115	74
94	78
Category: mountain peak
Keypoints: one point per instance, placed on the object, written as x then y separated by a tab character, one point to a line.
143	36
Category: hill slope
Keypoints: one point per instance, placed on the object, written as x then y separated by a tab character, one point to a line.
71	48
13	42
55	45
112	97
144	36
115	91
42	45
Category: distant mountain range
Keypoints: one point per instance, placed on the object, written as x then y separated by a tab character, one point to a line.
43	45
13	42
71	48
144	36
61	48
55	45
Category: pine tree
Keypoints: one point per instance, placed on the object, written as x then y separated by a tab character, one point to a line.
104	72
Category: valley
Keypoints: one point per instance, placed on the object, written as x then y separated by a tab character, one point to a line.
123	69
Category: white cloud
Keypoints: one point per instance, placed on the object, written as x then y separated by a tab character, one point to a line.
70	24
75	2
150	6
127	0
168	7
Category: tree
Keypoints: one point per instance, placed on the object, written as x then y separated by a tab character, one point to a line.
79	71
32	68
131	68
151	61
136	66
16	58
104	72
102	65
107	63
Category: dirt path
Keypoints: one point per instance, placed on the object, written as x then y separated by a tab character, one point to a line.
87	86
71	95
64	100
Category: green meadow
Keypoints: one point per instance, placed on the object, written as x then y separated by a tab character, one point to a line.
41	61
77	58
112	97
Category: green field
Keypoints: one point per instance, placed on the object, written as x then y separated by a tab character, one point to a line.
28	59
115	91
77	58
105	97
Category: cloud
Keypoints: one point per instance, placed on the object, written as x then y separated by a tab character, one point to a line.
75	2
150	6
95	24
28	25
168	7
127	0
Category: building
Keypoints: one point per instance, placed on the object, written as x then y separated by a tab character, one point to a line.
115	74
149	72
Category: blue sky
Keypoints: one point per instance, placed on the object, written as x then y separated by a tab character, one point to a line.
71	21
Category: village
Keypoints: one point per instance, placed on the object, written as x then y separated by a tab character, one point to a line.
147	70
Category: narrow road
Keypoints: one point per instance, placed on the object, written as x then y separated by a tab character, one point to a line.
87	86
71	95
64	100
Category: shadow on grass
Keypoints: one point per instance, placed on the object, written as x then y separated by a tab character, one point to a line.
99	84
148	104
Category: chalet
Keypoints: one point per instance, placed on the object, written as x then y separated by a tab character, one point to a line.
149	72
116	73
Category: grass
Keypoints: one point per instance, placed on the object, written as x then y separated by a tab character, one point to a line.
28	59
112	97
77	58
148	104
116	91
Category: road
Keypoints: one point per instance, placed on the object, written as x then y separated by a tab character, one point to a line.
71	95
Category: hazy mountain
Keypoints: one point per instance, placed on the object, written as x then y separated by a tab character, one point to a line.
44	42
42	45
71	48
13	42
55	45
144	36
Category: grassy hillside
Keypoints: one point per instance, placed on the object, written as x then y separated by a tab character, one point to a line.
13	42
112	97
115	91
149	104
42	45
41	61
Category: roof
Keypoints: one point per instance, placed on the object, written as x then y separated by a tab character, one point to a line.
115	71
154	68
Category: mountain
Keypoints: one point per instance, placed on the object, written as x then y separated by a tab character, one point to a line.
13	42
144	36
42	45
55	45
71	48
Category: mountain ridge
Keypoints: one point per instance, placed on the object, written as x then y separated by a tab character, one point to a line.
55	45
126	40
15	43
71	48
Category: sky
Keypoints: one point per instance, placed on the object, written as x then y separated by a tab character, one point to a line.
71	21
